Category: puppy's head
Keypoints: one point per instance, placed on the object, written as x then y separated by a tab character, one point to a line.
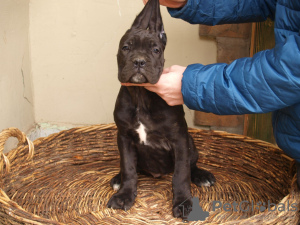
141	49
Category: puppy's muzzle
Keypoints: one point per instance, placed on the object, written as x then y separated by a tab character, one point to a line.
138	65
138	79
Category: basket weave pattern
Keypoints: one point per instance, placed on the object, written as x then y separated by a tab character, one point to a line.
64	179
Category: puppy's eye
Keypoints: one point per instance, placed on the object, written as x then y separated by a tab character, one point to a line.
125	48
156	50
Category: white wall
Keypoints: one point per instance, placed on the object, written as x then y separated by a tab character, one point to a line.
73	55
58	59
16	101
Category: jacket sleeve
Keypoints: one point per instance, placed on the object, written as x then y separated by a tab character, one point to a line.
225	11
268	81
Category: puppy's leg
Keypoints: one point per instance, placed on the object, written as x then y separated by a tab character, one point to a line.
182	201
200	177
125	197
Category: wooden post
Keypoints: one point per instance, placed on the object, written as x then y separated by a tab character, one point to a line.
259	126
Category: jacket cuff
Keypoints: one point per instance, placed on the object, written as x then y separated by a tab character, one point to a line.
185	12
188	88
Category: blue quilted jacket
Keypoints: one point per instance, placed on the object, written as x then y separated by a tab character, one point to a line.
267	82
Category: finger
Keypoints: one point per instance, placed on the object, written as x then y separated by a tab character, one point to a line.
166	70
154	89
151	88
170	69
140	85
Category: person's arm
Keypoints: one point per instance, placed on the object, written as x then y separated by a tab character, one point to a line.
269	81
171	3
224	11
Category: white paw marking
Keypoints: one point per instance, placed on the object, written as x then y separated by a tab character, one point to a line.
206	184
116	187
142	133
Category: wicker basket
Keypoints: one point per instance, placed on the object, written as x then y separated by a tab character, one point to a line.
65	180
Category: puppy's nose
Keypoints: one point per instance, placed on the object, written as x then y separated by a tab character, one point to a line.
139	62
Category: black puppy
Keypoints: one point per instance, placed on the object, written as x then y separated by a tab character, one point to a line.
152	136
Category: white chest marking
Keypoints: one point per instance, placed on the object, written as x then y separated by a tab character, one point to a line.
142	134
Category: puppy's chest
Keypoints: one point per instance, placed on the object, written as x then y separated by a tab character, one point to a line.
150	132
144	126
142	133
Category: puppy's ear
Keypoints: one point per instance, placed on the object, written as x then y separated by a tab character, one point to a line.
163	36
156	22
150	18
142	19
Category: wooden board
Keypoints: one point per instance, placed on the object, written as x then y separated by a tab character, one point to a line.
259	126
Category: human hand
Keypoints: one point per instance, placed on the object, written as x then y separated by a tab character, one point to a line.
171	3
168	86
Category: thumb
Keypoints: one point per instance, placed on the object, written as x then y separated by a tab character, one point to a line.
166	70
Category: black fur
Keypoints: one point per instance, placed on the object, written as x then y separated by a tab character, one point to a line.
169	147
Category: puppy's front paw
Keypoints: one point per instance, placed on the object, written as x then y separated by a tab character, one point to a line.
182	208
121	201
202	177
115	182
